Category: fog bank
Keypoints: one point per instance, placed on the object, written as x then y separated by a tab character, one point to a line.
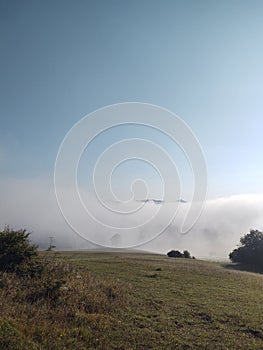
32	205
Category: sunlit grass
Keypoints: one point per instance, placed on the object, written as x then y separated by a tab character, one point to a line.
137	301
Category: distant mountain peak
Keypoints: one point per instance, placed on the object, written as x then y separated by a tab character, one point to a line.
159	201
181	201
151	200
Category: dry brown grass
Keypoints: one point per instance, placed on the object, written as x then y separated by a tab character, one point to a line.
62	308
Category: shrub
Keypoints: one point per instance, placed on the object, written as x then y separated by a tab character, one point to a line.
15	248
178	254
175	254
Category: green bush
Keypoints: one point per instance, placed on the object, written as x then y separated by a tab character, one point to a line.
15	248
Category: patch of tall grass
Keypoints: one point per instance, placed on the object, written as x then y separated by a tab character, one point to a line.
51	304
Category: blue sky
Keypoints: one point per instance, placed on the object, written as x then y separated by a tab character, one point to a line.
61	60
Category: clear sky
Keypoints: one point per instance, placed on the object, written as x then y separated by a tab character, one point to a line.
61	60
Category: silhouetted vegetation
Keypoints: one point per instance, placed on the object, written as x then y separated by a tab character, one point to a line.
186	254
250	251
178	254
15	249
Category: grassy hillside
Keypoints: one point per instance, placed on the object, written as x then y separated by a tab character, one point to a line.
140	301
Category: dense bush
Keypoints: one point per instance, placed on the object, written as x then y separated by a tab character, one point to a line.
178	254
175	254
250	251
15	249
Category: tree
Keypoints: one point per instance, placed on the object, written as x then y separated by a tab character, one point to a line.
15	248
250	251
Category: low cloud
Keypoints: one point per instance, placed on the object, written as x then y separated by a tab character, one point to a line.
219	228
31	204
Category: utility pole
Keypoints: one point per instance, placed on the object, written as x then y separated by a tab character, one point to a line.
51	245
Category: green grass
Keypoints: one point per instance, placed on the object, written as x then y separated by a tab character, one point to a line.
144	301
181	303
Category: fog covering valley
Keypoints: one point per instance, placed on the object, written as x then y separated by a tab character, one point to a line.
32	205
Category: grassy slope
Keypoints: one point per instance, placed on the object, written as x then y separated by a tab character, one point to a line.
178	303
